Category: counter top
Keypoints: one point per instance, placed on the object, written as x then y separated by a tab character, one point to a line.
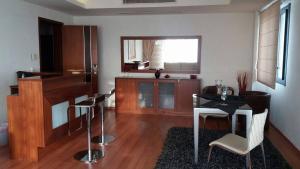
153	78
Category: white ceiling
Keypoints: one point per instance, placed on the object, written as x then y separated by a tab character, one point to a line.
116	7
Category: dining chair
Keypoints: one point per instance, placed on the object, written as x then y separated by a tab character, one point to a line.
213	90
242	146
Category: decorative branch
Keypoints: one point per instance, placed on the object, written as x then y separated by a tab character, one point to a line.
242	79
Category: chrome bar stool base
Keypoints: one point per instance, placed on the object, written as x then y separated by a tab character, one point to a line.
83	156
107	139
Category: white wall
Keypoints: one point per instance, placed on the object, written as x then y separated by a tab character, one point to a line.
227	41
18	40
285	107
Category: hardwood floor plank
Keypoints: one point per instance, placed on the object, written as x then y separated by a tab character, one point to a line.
138	144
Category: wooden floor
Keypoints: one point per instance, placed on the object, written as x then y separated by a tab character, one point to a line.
138	144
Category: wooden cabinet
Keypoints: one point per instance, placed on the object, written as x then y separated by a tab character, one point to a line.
80	52
166	100
126	95
32	115
185	90
145	102
155	96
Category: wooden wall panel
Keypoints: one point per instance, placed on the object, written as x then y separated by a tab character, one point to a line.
30	113
73	48
126	96
94	46
15	127
94	39
186	88
26	121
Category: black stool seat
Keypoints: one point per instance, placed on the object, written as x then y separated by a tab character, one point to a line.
99	98
90	102
85	103
103	139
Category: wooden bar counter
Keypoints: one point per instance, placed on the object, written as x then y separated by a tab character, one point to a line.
30	112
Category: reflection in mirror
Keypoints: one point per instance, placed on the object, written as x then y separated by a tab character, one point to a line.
169	54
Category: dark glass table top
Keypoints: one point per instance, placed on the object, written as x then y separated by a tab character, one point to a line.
230	105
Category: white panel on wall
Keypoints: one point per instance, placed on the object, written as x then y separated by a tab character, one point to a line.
83	110
59	114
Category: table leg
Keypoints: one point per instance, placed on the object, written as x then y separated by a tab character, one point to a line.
102	127
89	134
234	122
248	122
196	134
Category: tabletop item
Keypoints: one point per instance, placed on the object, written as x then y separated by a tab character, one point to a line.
219	84
193	76
224	93
157	74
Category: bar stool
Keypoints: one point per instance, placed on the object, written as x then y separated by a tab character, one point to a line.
79	105
106	138
90	155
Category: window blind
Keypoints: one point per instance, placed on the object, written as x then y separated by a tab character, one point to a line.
268	42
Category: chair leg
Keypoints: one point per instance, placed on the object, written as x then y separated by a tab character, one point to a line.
248	161
204	121
69	122
80	113
228	121
263	153
209	153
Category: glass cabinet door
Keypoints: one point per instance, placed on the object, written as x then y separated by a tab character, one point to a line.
166	95
146	95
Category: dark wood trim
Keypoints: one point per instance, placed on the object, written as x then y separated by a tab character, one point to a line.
122	54
285	138
159	37
286	10
110	108
49	20
122	38
58	38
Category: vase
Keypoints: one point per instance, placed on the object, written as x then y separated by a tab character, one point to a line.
157	74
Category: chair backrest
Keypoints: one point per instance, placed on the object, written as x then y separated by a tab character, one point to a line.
256	133
214	90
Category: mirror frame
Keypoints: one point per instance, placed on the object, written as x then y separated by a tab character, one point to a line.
122	38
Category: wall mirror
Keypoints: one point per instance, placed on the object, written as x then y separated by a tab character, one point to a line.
170	54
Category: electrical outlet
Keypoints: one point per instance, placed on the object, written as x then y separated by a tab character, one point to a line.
35	57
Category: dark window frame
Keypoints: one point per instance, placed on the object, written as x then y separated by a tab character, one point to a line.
287	11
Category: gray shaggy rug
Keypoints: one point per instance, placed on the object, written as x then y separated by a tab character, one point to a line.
178	153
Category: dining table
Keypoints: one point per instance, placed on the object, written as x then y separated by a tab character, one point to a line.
213	104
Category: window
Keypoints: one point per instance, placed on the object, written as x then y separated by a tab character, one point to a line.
173	50
283	44
268	44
